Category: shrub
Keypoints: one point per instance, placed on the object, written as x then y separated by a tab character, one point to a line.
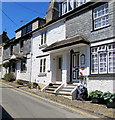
96	94
29	85
6	65
19	82
108	97
9	77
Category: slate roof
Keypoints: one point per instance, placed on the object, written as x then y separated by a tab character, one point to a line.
67	42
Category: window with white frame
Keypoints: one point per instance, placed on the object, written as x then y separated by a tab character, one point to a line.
101	16
103	59
43	38
43	65
69	5
111	58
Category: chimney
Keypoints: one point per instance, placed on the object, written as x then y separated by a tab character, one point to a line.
53	11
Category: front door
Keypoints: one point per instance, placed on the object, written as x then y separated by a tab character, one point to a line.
59	68
75	66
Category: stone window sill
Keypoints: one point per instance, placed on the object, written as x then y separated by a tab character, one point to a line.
42	46
42	74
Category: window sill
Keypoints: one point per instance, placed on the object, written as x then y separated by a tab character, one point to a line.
100	28
42	46
23	72
42	74
102	75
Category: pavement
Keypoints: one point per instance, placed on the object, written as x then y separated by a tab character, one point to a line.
97	109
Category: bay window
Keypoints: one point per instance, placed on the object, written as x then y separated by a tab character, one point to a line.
103	59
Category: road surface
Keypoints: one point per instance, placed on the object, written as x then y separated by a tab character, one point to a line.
18	104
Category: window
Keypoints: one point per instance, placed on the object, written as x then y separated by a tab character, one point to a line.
43	38
43	65
103	59
0	68
26	29
23	65
0	52
21	45
80	2
111	58
69	5
11	49
101	16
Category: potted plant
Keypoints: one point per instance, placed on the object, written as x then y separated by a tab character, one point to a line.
82	78
96	96
109	99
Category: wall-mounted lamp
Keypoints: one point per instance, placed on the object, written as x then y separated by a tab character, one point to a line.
82	59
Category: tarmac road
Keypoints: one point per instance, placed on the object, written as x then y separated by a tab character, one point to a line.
18	104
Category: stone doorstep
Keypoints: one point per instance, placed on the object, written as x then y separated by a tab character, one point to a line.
84	105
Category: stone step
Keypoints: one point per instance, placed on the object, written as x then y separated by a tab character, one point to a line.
48	91
66	89
51	89
64	93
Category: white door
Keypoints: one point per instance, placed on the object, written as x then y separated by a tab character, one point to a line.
75	66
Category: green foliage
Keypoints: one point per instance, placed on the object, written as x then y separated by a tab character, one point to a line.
96	94
29	85
6	65
107	96
19	82
9	77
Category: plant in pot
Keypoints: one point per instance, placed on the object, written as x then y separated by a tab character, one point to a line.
109	99
96	96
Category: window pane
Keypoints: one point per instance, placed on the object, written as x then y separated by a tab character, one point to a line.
40	65
103	62
44	67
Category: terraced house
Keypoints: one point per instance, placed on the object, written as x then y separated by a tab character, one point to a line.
81	39
18	50
76	37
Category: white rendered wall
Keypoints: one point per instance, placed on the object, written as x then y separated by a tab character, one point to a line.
54	33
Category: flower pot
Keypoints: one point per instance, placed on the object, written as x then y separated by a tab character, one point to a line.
97	100
110	104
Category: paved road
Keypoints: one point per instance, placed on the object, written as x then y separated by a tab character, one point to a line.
17	104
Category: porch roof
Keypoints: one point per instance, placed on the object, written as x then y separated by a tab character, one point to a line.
16	56
78	39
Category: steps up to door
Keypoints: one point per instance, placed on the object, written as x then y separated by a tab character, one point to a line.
67	91
51	88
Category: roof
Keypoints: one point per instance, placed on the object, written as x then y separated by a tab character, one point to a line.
78	39
38	18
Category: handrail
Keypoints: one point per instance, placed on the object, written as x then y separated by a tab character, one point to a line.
57	89
43	89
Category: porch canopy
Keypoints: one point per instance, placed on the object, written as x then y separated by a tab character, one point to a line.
78	39
16	56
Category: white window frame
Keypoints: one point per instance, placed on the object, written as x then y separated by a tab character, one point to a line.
96	11
94	53
100	62
41	68
111	50
43	38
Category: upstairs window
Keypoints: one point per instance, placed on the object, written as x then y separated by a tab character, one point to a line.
11	49
21	45
101	16
26	29
43	38
69	5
